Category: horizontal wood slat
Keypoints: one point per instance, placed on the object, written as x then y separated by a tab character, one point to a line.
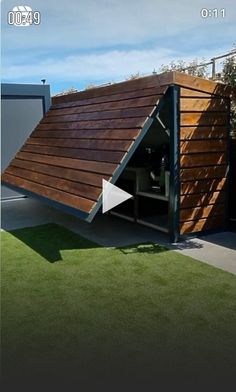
191	146
217	132
202	186
153	81
195	160
105	134
137	122
93	155
190	214
106	106
202	199
189	93
114	97
67	173
103	115
57	195
203	173
113	145
202	224
203	118
89	166
72	187
200	84
202	104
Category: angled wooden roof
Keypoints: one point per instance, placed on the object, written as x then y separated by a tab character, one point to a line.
86	137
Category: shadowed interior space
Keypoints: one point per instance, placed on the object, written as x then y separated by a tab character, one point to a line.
138	314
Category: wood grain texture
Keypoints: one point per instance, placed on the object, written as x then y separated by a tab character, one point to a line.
202	186
113	145
106	106
96	134
203	104
202	199
203	118
193	146
202	224
198	133
67	173
57	195
93	155
210	159
202	173
124	123
111	98
189	214
76	188
79	164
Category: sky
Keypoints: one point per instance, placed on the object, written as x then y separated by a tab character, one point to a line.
84	42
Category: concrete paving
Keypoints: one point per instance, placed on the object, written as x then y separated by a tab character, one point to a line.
218	250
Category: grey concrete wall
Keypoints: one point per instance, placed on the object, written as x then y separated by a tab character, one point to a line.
22	107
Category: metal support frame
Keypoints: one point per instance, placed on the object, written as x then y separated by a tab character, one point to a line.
174	91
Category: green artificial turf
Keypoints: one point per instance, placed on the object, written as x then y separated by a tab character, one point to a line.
72	308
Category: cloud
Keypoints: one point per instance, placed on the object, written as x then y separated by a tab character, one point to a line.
111	65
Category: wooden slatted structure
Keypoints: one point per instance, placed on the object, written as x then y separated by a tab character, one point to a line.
91	135
82	139
204	132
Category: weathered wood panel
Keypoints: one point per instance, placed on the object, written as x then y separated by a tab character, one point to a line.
98	124
202	186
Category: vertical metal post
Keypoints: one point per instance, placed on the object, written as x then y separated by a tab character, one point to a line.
228	169
174	162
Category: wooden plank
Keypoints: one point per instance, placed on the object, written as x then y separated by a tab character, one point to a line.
50	193
210	132
202	224
196	83
93	155
195	160
202	104
188	93
189	214
105	134
202	186
67	173
203	118
145	92
202	199
196	146
103	115
203	173
79	164
113	145
106	106
76	188
125	123
122	87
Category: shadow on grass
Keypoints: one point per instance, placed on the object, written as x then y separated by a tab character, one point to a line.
48	240
147	248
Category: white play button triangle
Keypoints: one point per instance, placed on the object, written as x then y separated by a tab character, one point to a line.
112	196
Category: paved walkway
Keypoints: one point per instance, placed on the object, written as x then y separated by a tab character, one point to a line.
218	250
